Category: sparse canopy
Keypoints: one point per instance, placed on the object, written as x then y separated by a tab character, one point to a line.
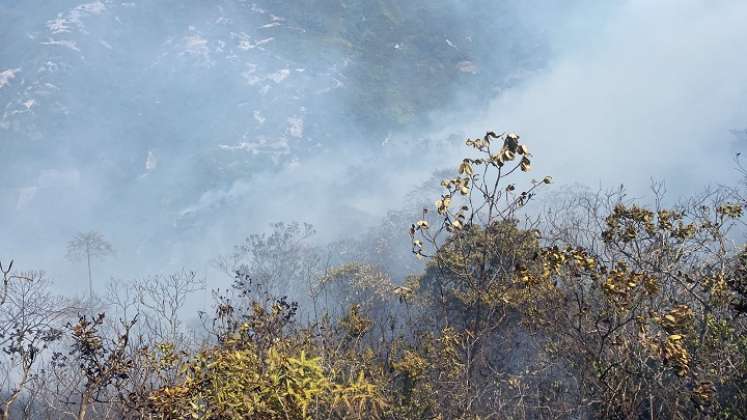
87	246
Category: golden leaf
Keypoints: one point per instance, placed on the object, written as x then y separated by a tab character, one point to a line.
466	168
507	155
675	337
525	165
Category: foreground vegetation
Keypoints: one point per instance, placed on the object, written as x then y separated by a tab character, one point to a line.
597	308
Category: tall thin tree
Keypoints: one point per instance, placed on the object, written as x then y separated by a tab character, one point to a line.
88	246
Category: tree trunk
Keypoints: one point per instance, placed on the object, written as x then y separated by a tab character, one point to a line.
90	279
83	409
11	400
15	393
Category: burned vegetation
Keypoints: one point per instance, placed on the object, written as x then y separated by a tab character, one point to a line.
596	307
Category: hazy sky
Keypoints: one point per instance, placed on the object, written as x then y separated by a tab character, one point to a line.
652	93
177	128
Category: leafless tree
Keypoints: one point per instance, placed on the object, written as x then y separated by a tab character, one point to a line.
162	299
8	275
278	262
30	323
88	245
